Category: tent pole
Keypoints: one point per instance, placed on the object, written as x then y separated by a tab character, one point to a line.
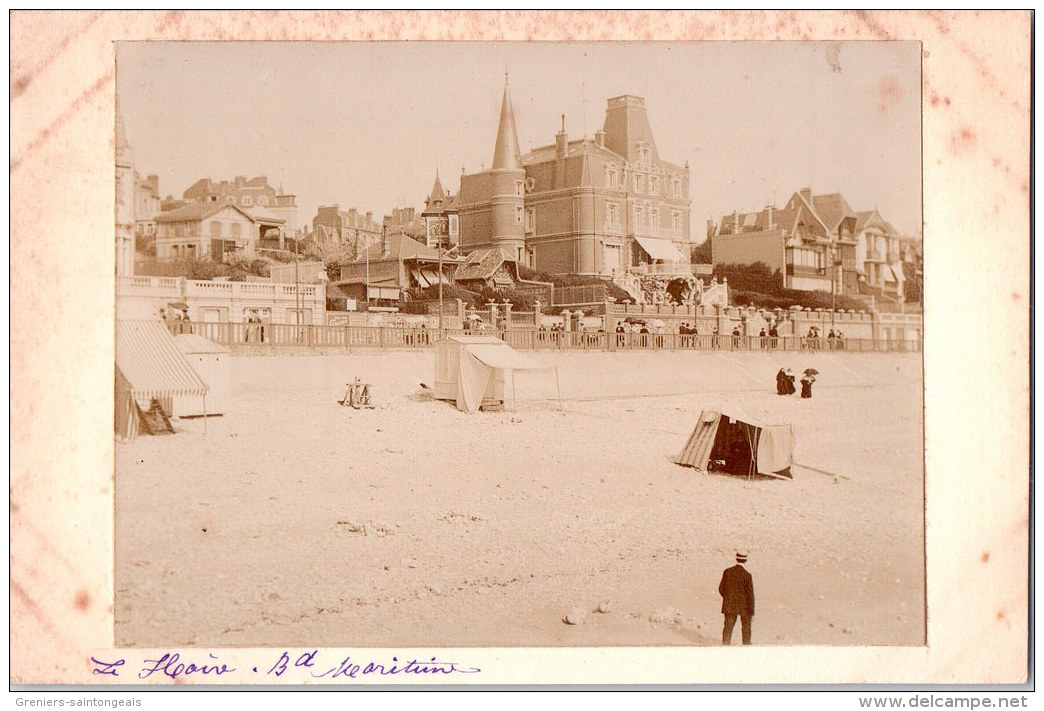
558	387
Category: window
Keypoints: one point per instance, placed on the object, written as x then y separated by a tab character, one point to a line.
612	179
676	187
654	217
518	215
654	184
262	200
234	230
611	217
215	229
676	222
636	183
519	187
530	220
248	201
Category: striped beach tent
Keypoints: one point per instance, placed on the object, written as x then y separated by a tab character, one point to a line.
149	365
728	440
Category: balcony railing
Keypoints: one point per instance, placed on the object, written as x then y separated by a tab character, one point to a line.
180	287
663	268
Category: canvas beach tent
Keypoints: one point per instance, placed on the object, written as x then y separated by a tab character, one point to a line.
472	371
210	361
149	366
731	441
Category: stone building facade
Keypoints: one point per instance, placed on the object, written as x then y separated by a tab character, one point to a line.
596	207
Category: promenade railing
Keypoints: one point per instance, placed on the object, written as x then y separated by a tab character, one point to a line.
278	336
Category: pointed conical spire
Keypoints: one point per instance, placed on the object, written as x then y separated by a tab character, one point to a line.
437	194
506	153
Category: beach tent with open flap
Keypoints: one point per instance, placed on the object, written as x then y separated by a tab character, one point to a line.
149	366
731	441
472	370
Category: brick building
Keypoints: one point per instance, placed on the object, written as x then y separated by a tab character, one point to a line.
596	207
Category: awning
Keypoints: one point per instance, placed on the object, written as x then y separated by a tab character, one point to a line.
660	249
419	277
151	362
432	276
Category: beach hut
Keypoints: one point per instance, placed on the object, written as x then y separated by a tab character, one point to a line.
472	371
210	361
149	367
728	440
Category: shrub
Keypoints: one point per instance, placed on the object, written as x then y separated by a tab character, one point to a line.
415	307
757	285
530	274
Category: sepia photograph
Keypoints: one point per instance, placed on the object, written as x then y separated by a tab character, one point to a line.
521	349
518	345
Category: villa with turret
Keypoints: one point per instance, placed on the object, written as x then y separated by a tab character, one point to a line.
600	207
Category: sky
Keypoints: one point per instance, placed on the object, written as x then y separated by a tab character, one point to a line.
366	125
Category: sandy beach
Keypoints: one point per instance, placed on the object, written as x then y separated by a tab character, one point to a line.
294	521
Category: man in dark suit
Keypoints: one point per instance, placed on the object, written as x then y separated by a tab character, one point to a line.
737	598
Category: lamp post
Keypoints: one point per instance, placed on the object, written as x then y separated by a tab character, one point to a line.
835	280
440	288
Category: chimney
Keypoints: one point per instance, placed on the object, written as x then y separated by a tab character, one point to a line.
385	245
600	138
807	194
770	209
561	141
369	216
710	227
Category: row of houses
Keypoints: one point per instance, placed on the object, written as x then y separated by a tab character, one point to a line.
610	207
819	243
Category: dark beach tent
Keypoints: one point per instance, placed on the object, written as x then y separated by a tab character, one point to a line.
150	370
727	440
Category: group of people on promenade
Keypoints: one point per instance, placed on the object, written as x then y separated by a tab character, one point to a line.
181	323
835	340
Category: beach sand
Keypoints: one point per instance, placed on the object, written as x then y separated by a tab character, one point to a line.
294	521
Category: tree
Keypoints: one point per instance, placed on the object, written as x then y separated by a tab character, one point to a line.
701	253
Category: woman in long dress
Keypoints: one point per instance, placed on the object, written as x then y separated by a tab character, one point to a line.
806	385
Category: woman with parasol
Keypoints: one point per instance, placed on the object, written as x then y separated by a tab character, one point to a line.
806	382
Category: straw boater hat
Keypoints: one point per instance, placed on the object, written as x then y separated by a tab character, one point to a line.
741	555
